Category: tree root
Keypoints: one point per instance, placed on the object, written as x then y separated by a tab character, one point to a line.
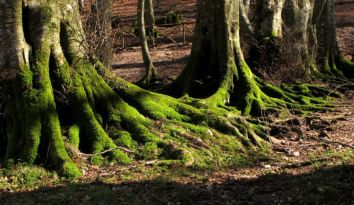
129	122
257	98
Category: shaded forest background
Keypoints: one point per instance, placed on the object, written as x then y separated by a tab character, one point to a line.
170	57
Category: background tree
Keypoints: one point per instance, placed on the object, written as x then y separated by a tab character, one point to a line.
149	18
150	73
306	30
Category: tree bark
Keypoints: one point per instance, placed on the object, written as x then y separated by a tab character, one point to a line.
269	20
151	73
150	20
310	33
217	69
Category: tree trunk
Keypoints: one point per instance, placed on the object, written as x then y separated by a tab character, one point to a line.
269	20
62	104
150	20
218	71
151	73
306	30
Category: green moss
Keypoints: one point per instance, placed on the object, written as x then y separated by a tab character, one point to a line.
24	177
346	67
150	151
74	135
25	76
70	170
97	160
121	157
124	138
186	157
274	35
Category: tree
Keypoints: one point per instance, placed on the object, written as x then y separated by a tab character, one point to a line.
150	20
218	71
151	73
61	103
311	26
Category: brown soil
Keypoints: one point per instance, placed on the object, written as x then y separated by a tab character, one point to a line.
168	59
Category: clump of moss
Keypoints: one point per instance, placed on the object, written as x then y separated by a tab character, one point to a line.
97	160
150	151
70	170
74	135
121	157
124	138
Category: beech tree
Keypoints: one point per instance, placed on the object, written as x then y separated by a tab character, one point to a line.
149	19
310	22
218	72
60	104
150	73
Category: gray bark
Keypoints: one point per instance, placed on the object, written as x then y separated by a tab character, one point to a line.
103	21
151	74
150	20
14	49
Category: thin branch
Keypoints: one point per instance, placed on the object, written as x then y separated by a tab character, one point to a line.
107	151
333	142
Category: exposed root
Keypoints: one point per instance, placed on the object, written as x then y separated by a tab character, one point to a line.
256	97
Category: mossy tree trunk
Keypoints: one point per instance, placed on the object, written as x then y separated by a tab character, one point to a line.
217	69
61	102
329	57
150	73
308	26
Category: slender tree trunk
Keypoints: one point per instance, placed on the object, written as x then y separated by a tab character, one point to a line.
151	73
245	21
150	20
269	20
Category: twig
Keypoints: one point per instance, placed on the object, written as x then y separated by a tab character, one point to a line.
107	151
339	86
334	142
331	142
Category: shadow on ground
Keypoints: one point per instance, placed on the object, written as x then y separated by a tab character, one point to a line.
334	185
170	63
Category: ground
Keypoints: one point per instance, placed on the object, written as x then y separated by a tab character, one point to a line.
312	162
306	168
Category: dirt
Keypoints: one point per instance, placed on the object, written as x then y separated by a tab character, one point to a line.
168	59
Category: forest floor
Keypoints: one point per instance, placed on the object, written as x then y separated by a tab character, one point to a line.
312	160
312	163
